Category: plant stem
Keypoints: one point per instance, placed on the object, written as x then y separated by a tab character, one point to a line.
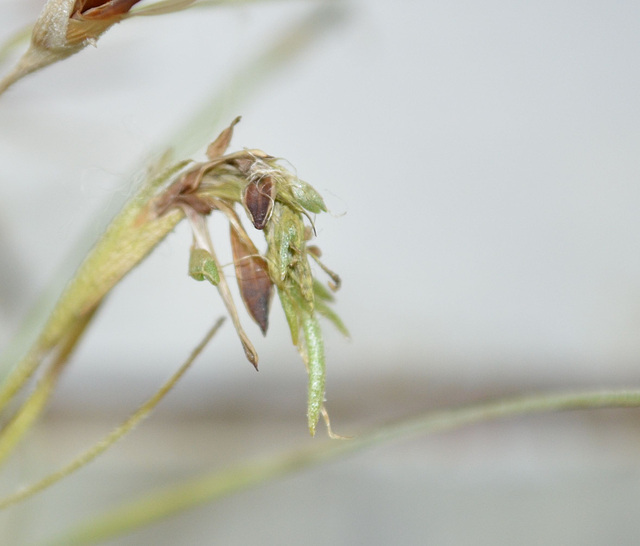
127	240
213	486
143	411
32	408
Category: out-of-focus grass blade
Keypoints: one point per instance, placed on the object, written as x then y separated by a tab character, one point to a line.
16	40
249	79
207	488
100	447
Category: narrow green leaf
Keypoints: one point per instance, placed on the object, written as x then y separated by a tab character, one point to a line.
289	45
212	486
285	233
314	349
321	292
291	313
127	240
26	415
100	447
323	309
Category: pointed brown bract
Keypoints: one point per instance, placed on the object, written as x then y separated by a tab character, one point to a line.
255	285
85	5
219	146
184	191
258	198
202	204
170	196
102	9
90	18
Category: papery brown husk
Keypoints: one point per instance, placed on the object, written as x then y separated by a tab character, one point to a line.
258	198
252	272
102	9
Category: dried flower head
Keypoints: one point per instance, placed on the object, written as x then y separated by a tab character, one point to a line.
276	203
65	27
90	18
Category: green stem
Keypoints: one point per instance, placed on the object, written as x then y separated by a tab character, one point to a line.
213	486
313	356
21	422
143	411
127	240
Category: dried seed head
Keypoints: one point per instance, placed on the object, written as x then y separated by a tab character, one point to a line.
93	17
276	202
50	29
63	28
66	26
102	9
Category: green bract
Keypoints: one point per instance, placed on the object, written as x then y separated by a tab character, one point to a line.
307	197
202	266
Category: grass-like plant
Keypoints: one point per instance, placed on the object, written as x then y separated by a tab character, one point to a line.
275	204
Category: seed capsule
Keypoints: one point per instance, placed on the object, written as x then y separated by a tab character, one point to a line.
258	198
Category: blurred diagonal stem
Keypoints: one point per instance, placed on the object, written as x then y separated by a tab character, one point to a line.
143	411
290	43
31	409
14	41
214	486
121	248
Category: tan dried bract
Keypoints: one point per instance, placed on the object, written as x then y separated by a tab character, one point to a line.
219	146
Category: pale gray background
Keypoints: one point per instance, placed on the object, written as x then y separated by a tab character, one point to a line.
481	163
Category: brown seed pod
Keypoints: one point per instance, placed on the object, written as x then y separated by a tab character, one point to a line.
258	198
252	273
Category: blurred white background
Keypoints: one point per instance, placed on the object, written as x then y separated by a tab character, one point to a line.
481	164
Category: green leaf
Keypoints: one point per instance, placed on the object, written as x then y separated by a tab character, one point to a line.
291	313
321	292
285	236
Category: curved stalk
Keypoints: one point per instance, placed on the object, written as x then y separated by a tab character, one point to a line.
143	411
214	486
